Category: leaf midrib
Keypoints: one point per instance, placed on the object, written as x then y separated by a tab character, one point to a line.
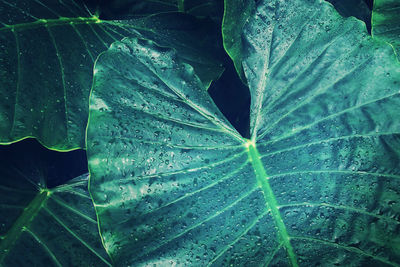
50	23
271	203
22	222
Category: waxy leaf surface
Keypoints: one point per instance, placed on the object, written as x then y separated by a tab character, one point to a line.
317	184
46	59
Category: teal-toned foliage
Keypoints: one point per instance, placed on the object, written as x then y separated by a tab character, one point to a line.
174	183
47	55
386	22
315	183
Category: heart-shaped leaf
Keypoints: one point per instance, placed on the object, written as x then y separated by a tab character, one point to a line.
318	183
386	22
46	58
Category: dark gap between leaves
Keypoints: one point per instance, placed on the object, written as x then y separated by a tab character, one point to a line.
233	99
30	158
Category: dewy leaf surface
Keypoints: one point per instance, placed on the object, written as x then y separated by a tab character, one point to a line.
46	58
386	22
317	184
46	227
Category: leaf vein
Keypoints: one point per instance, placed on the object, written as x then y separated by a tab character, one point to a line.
346	247
43	244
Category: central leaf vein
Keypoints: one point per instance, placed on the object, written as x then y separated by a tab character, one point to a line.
271	202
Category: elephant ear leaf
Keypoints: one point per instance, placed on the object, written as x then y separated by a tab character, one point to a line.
47	56
318	182
386	22
42	226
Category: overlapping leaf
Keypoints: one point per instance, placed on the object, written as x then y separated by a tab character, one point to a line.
386	22
47	53
317	184
236	13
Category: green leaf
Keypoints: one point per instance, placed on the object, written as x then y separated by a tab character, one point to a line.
317	184
236	13
46	227
386	22
197	41
47	55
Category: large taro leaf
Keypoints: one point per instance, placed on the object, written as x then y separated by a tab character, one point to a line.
386	22
317	184
46	227
46	58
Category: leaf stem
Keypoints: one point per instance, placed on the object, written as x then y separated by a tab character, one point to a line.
22	222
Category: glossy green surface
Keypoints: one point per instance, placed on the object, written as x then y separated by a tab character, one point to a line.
48	227
317	184
236	14
46	58
386	22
